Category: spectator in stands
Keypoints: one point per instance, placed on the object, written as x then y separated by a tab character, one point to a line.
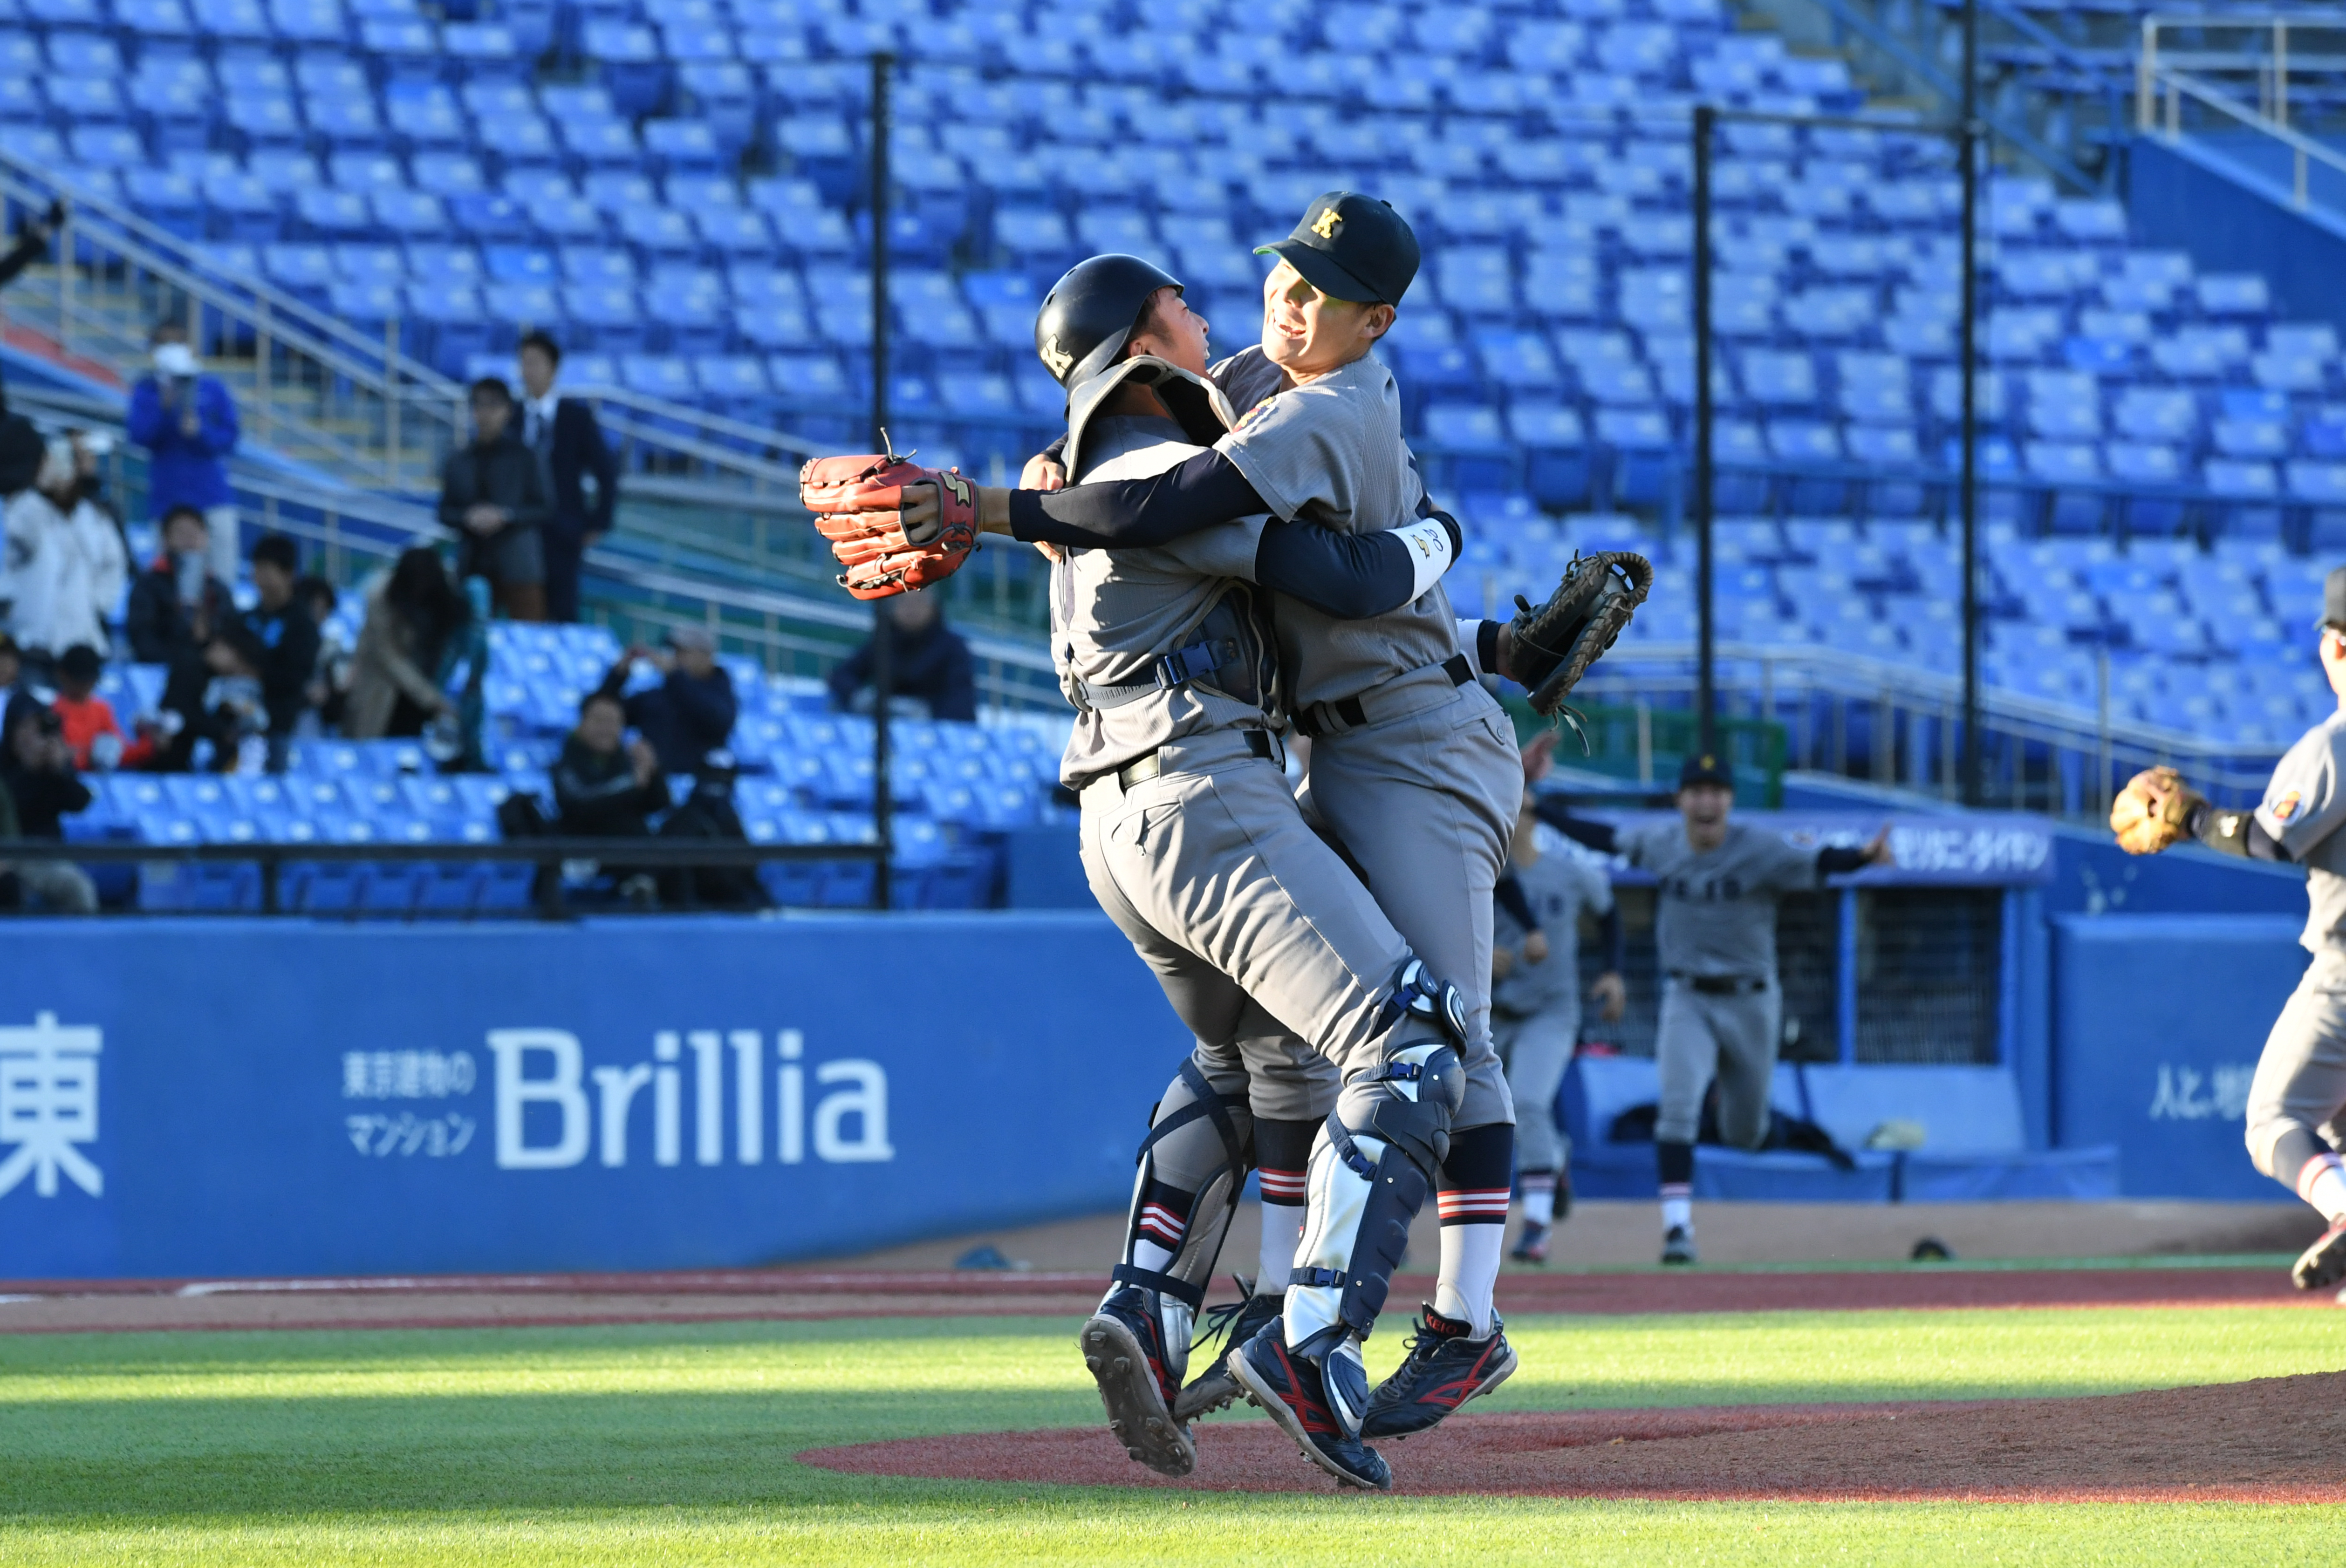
67	559
187	422
92	732
690	713
928	662
21	451
493	495
329	678
31	242
273	643
606	786
37	769
573	457
13	694
414	620
175	608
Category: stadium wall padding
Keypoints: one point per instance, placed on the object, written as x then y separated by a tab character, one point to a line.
2232	221
283	1097
2157	1021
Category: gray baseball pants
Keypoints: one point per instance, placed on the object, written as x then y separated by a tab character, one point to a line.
1211	873
2301	1078
1536	1050
1426	804
1702	1034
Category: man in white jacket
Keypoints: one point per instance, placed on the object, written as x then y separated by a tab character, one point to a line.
67	565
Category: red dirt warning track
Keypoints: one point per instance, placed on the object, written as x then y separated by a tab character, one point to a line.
457	1301
2276	1440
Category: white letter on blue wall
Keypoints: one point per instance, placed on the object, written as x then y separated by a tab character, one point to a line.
560	1090
868	1102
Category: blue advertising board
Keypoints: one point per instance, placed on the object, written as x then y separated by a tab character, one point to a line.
2157	1021
249	1097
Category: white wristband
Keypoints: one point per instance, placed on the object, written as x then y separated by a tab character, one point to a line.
1430	552
1470	643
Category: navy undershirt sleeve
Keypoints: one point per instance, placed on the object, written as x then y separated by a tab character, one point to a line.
1351	576
1136	513
1601	836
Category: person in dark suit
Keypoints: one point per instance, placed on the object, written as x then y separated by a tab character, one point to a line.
570	451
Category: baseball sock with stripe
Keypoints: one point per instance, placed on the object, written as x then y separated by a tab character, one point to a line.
1282	1151
1476	1181
2321	1182
1162	1222
1675	1165
1539	1195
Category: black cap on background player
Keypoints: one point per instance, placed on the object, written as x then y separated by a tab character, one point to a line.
1703	768
2333	601
1352	247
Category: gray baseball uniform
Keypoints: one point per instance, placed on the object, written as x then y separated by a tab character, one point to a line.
1715	937
1268	946
2300	1086
1535	1010
1414	767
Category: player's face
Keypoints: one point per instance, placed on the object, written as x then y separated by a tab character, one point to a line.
1705	805
2333	659
1175	333
1308	334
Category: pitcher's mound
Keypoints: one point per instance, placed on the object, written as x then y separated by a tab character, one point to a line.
2276	1439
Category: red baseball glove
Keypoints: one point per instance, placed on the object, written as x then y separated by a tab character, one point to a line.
857	503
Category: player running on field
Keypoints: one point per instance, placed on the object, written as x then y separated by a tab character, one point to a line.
1716	887
1536	1000
2297	1101
1414	769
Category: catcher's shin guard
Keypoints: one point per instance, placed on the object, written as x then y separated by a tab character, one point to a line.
1372	1168
1197	1145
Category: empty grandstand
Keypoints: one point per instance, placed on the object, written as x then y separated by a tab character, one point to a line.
360	205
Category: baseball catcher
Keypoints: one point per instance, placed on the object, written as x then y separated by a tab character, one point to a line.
2297	1101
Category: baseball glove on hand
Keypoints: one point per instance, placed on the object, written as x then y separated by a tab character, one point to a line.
1554	642
2153	812
857	503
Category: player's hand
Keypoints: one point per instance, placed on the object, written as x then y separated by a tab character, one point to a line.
1042	472
1612	994
921	509
1877	853
1535	947
1503	963
1050	552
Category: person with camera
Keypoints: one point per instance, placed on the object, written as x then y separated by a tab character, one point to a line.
187	420
37	770
692	711
67	559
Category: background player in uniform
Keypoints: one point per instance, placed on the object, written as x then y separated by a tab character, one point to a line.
1716	886
1535	1001
1414	769
2297	1101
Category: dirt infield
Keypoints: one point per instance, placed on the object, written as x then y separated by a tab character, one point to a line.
2272	1440
785	1294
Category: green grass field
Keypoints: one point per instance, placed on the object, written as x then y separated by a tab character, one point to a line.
672	1444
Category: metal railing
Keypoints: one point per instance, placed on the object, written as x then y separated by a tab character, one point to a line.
2171	80
555	859
2057	758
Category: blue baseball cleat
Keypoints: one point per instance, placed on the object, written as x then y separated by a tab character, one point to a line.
1293	1389
1442	1369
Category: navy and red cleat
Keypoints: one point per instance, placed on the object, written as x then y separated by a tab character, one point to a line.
1442	1370
2324	1263
1125	1348
1291	1388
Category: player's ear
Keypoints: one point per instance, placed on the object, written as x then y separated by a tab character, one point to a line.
1380	321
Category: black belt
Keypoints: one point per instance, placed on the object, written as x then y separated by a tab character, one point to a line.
1140	772
1349	709
1721	984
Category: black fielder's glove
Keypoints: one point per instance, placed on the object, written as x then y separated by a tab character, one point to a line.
1554	644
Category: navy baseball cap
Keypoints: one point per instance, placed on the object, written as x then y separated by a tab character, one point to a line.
1350	247
1703	768
2333	601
